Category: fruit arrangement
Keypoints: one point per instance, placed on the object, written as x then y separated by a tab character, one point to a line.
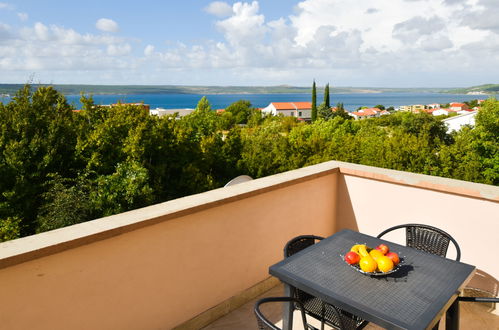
377	260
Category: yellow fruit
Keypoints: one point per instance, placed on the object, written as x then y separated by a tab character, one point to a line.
368	264
376	254
355	248
363	251
385	264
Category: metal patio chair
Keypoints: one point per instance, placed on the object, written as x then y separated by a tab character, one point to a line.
313	306
265	324
426	238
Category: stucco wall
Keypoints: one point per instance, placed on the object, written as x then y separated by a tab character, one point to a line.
157	267
158	276
371	205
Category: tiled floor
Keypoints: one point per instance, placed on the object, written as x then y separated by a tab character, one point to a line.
473	316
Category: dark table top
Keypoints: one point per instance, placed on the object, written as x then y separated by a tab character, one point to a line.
414	297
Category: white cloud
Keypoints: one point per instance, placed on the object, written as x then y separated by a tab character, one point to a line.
23	16
353	42
5	32
149	50
219	9
41	31
4	5
415	28
119	50
107	25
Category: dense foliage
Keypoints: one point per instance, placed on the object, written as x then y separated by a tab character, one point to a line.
60	167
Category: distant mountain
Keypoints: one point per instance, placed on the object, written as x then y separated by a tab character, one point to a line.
481	89
11	89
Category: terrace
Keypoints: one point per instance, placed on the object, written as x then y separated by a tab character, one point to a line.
188	262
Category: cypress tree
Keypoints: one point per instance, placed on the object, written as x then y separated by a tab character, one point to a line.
314	102
326	96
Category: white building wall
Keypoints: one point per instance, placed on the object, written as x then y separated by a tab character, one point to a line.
455	123
287	113
440	112
270	109
305	114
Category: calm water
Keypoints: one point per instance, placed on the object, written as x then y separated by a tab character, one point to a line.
350	101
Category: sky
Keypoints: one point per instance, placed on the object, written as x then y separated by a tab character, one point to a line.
358	43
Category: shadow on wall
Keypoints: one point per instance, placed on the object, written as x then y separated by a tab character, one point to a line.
483	285
345	215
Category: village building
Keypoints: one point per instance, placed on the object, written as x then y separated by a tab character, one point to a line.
160	112
456	106
300	110
457	122
433	106
367	113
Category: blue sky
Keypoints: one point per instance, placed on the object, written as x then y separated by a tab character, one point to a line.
372	43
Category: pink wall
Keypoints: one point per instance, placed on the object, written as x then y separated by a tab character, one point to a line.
376	205
160	266
164	274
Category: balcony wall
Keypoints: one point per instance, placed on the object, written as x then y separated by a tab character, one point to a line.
373	199
163	265
159	266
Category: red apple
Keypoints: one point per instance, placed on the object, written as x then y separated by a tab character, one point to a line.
395	258
352	258
383	248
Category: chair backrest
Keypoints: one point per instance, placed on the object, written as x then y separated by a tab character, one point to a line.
266	324
427	238
299	243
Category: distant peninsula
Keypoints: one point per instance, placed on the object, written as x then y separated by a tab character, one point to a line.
11	89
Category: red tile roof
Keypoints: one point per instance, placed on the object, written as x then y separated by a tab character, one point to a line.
283	105
367	112
292	105
303	105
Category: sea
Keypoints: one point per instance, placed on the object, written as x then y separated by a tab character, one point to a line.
351	101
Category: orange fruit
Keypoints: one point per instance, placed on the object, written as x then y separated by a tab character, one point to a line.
385	264
375	254
368	264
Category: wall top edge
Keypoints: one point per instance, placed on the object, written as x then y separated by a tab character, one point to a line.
422	181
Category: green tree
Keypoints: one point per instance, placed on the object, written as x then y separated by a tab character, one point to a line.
326	96
341	112
380	106
10	228
66	203
265	149
37	138
324	112
202	121
314	102
241	111
203	105
486	142
125	189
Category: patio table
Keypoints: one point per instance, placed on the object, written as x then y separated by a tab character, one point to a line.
416	296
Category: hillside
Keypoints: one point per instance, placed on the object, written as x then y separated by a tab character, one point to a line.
11	89
481	89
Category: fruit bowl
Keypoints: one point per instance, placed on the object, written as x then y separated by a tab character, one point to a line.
357	268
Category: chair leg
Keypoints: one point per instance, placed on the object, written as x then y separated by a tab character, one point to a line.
288	308
452	316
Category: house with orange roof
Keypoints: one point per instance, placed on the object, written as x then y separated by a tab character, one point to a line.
300	110
456	106
367	113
